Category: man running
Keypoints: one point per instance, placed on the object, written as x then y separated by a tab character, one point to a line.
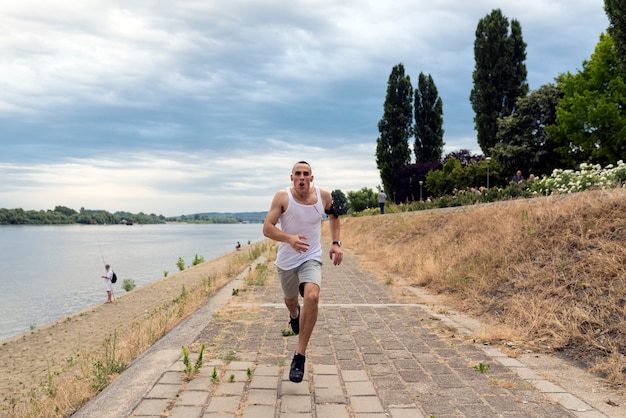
300	209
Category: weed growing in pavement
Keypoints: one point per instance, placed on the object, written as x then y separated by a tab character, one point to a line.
235	292
231	379
249	373
214	376
482	367
192	370
287	332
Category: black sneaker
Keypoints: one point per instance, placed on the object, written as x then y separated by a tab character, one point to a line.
297	368
295	322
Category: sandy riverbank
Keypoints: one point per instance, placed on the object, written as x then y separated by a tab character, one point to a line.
29	361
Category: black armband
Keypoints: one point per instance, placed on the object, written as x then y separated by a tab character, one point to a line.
332	211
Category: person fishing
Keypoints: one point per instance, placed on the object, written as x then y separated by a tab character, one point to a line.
108	284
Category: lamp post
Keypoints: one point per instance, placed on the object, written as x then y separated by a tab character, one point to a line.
488	161
421	182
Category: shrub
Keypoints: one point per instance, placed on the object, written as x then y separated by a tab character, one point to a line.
128	285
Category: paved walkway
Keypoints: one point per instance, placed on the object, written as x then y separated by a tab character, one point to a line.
375	353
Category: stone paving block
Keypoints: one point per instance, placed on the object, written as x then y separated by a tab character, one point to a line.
259	411
239	375
214	415
171	378
360	389
186	412
354	376
224	404
193	397
571	402
262	397
264	382
448	381
405	413
240	365
366	404
476	410
331	411
323	396
546	386
326	381
528	374
200	383
266	370
432	404
150	407
295	403
163	391
321	369
290	388
228	388
509	362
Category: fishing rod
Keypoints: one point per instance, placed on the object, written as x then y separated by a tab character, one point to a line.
105	263
99	246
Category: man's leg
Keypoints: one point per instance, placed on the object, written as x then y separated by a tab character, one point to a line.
292	305
308	316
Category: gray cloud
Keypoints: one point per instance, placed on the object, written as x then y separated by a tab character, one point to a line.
181	107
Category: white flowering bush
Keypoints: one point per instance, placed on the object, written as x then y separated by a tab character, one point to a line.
589	176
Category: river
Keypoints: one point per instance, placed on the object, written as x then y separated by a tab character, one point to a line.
48	272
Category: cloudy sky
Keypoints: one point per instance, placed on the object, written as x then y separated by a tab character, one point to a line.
187	106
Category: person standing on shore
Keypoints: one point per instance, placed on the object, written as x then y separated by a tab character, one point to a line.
382	197
300	210
108	284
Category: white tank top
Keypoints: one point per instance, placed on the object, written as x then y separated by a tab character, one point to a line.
305	220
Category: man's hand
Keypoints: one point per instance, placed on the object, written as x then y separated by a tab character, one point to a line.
336	254
298	243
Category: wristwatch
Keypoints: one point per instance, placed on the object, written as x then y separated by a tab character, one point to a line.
337	243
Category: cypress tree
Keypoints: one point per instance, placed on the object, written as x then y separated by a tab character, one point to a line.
499	75
617	29
392	146
428	121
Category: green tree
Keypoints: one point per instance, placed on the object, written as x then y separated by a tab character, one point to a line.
442	182
428	121
363	199
617	29
522	140
499	74
392	146
340	201
591	122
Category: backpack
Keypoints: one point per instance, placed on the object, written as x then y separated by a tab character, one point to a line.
114	278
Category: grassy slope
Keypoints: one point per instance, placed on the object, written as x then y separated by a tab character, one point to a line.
549	270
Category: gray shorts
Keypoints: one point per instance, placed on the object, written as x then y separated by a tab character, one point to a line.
293	280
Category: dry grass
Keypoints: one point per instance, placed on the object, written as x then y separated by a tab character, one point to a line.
75	371
547	271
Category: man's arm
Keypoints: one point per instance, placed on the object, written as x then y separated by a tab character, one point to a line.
335	233
271	231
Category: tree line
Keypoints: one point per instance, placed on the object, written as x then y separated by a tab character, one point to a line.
580	118
62	215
